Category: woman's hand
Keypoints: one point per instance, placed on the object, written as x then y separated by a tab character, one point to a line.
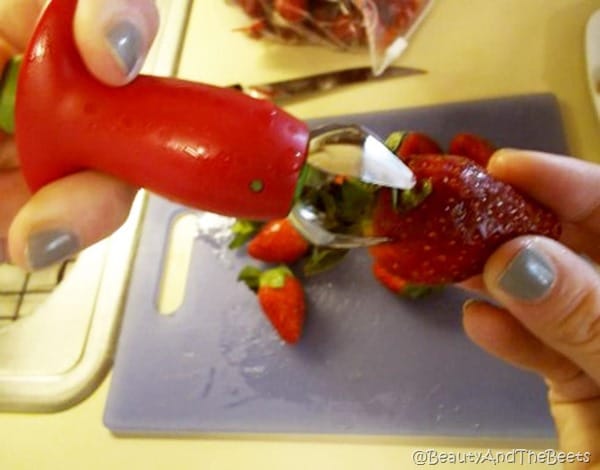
113	37
550	320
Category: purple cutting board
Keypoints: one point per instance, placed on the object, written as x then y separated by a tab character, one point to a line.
369	363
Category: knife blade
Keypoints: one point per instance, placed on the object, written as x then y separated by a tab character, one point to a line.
302	87
592	46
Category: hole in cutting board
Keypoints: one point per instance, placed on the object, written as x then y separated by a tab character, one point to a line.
176	265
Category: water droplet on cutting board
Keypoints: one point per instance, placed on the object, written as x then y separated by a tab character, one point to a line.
215	231
254	371
213	228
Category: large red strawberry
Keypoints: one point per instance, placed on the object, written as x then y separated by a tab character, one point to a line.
444	230
472	146
399	285
278	242
281	297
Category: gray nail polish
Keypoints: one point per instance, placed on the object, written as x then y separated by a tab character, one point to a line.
528	276
126	42
49	247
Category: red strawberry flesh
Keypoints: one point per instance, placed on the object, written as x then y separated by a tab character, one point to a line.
281	297
472	146
278	242
450	234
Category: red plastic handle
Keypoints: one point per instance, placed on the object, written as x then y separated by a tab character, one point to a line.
207	147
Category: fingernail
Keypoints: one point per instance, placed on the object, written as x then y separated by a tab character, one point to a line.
498	159
468	304
125	40
529	276
588	259
49	247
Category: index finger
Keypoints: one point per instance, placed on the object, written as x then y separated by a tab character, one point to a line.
18	20
568	186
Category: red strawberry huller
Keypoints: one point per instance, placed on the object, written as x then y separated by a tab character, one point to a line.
206	147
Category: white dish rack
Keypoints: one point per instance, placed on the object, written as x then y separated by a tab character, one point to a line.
58	327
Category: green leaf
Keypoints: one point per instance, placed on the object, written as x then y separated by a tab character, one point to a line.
322	259
394	140
330	205
418	291
309	181
8	94
310	178
250	275
275	277
243	230
411	198
395	199
356	200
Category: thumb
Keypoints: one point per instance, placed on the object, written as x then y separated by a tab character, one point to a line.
554	293
114	36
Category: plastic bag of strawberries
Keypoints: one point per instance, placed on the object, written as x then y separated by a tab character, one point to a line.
382	26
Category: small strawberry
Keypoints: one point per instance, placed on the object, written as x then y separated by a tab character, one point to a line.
447	235
293	11
252	8
348	28
278	242
324	12
405	144
281	297
399	285
255	30
242	231
473	147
